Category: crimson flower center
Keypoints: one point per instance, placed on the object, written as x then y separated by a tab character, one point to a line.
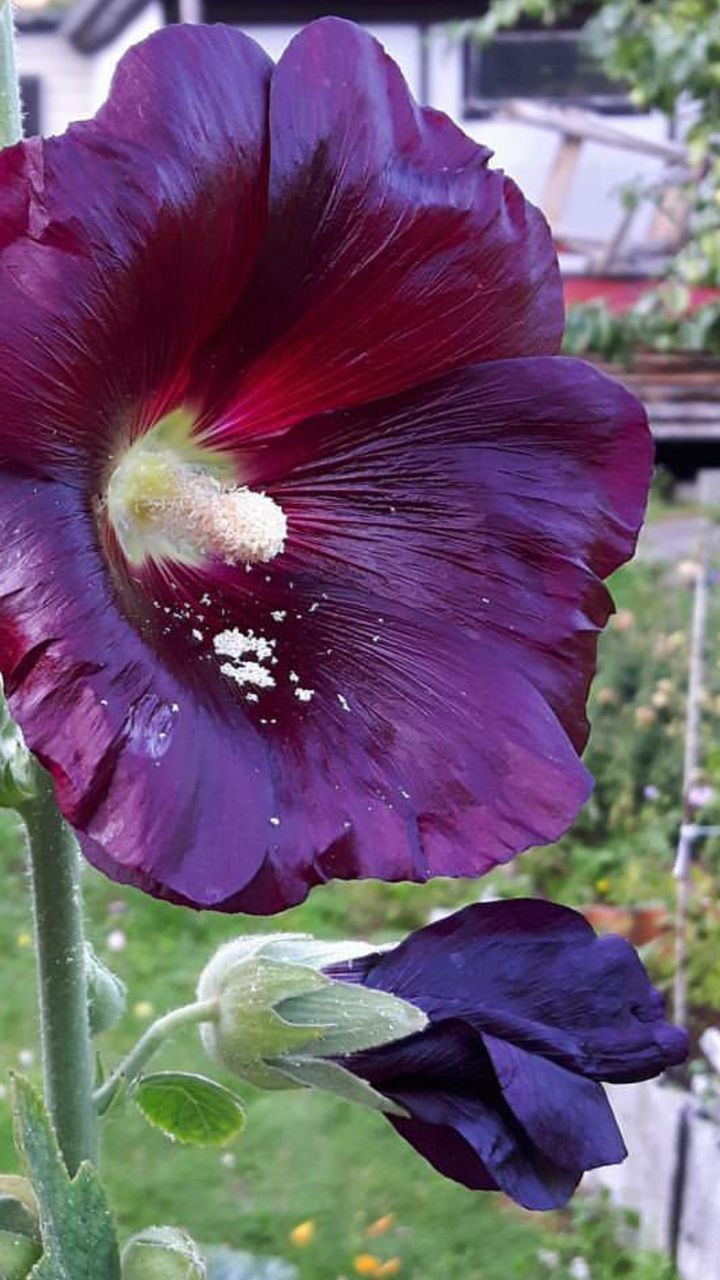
170	498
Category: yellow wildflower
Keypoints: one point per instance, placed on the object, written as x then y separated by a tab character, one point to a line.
366	1264
303	1234
381	1225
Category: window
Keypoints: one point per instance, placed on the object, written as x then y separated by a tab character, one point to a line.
30	93
547	66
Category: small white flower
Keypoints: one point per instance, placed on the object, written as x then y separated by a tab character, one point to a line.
579	1268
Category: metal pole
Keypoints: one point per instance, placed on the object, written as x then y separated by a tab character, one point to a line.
688	832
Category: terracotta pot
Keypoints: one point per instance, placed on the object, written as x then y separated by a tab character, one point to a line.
639	925
609	919
650	922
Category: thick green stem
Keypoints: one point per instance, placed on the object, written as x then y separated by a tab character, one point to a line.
129	1069
10	108
62	976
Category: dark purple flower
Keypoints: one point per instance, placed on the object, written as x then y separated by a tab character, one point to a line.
528	1011
303	523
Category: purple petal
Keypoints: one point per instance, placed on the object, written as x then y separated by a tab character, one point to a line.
535	975
567	1117
392	253
145	768
433	633
433	637
460	1121
477	1145
124	244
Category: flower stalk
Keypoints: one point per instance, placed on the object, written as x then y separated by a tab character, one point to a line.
62	976
129	1069
10	105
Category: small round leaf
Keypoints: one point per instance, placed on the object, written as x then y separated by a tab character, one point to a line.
190	1108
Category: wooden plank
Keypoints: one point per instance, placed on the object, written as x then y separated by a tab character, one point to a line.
588	126
557	188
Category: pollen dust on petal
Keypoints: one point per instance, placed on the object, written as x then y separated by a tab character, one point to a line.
246	653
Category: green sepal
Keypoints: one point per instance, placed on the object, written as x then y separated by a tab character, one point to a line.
354	1017
190	1108
248	1029
330	1077
162	1253
316	953
76	1226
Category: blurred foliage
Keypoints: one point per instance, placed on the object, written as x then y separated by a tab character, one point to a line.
661	321
598	1246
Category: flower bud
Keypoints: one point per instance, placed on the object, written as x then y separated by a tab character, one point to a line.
19	1229
18	1255
282	1022
162	1253
16	771
107	994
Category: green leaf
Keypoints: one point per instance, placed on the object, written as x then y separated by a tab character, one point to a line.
190	1108
330	1077
76	1226
226	1264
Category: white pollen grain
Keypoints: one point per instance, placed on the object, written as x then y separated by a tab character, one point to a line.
248	673
235	644
197	635
294	677
279	615
304	695
274	822
344	702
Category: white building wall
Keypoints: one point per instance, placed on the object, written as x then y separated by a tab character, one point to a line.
65	76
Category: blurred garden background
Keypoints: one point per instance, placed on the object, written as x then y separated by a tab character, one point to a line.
609	115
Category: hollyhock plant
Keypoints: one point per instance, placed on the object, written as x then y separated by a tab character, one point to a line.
524	1012
303	521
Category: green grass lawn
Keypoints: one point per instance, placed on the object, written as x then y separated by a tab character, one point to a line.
302	1156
